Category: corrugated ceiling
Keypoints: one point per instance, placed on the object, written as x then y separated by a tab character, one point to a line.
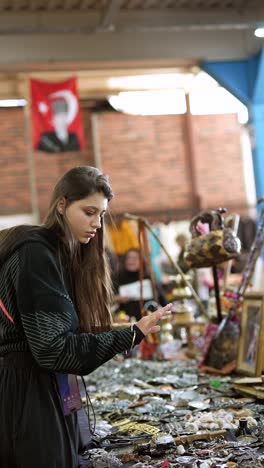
95	5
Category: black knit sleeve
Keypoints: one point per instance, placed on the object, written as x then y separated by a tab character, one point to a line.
50	320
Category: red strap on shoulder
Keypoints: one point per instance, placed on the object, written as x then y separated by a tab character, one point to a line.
5	312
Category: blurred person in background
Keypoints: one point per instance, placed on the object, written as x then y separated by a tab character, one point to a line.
128	280
182	240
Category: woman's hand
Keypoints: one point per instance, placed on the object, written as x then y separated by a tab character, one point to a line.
148	324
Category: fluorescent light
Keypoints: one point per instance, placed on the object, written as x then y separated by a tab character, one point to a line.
259	32
161	102
203	101
12	102
217	100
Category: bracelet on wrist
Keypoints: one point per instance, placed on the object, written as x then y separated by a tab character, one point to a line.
133	338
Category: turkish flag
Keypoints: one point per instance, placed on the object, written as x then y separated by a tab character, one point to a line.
56	117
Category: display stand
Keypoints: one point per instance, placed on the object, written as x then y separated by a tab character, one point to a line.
217	295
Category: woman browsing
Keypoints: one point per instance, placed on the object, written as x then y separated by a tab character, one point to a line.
55	322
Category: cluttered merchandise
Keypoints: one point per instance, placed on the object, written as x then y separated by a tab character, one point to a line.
190	395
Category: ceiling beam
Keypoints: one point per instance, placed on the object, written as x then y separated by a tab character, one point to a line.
91	83
116	20
109	14
67	5
57	50
113	68
85	4
51	4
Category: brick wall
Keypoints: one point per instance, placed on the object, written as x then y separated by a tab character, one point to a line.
14	186
15	193
220	173
148	163
146	158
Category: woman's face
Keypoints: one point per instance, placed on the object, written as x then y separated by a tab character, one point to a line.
84	216
132	261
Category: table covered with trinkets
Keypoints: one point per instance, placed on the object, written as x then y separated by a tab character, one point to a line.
167	414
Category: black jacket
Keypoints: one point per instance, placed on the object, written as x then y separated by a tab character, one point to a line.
36	295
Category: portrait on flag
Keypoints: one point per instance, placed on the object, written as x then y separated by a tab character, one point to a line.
56	117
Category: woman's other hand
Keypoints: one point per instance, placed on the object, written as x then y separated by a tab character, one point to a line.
148	324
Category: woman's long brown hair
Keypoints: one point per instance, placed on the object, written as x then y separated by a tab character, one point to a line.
89	270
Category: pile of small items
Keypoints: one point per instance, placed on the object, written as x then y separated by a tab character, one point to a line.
166	414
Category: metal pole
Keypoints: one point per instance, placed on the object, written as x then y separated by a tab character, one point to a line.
217	295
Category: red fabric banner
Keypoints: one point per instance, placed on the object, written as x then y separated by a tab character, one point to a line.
56	117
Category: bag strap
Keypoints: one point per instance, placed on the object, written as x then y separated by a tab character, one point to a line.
5	312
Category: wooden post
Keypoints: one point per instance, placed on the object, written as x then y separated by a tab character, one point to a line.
30	156
96	141
191	156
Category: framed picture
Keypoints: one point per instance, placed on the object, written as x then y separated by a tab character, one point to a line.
251	343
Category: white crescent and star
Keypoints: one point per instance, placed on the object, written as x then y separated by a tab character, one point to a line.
42	107
70	99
